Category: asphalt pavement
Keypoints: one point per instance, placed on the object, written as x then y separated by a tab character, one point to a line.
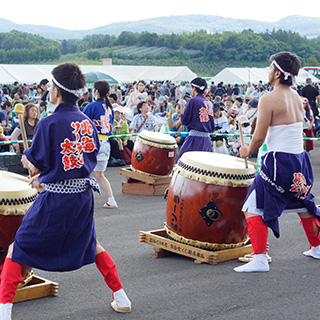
175	287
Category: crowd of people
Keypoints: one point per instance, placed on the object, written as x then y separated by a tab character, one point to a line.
154	106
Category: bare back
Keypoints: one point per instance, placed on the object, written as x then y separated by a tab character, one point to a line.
285	106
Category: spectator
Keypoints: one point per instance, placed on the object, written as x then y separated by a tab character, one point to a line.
30	121
139	94
143	120
252	112
16	89
43	109
44	85
18	109
312	94
4	120
308	124
117	91
3	147
83	101
176	126
119	127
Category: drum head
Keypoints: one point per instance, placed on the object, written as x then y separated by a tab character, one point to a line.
158	139
216	168
16	195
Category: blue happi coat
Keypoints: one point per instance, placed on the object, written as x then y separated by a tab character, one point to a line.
57	232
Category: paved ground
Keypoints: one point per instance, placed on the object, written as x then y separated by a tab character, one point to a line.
175	287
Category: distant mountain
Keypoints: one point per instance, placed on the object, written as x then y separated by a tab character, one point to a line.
305	26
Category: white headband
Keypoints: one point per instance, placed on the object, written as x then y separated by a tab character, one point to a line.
286	74
76	92
195	85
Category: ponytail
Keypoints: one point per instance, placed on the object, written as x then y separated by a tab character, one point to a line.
103	88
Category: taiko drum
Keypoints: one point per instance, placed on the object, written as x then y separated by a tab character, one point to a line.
154	153
16	196
205	198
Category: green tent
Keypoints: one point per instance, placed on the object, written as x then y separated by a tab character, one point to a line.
94	76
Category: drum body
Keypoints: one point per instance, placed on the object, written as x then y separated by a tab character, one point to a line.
16	196
205	198
154	153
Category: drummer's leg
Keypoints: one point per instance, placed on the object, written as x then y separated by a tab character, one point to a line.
106	186
108	269
10	278
311	228
258	234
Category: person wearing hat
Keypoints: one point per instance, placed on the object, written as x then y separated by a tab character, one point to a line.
18	109
119	127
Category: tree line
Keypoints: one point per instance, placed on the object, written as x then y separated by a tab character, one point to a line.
196	48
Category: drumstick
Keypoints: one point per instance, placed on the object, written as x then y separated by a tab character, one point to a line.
24	137
242	143
249	162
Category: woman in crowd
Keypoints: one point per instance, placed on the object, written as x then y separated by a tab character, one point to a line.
30	121
139	94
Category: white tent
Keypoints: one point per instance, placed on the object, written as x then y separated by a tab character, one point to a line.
253	75
30	74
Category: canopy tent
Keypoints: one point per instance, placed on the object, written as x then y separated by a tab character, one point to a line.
94	76
30	74
253	75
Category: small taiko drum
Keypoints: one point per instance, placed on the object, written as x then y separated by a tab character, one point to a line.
154	153
205	198
16	196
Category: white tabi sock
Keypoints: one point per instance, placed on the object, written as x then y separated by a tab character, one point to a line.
259	263
5	311
314	252
121	303
112	202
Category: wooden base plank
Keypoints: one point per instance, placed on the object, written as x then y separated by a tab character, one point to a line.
143	184
140	188
149	179
163	245
37	288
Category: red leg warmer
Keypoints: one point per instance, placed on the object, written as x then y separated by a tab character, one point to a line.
258	234
109	271
308	226
10	278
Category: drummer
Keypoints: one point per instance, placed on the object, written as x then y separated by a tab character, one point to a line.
285	178
198	116
57	232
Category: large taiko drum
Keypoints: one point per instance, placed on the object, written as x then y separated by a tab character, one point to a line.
205	198
154	153
16	196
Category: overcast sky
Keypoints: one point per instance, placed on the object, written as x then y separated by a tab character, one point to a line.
81	15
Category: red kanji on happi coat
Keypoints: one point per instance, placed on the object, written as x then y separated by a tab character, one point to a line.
73	150
206	111
299	186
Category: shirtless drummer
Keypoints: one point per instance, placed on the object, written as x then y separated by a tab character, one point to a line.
285	179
